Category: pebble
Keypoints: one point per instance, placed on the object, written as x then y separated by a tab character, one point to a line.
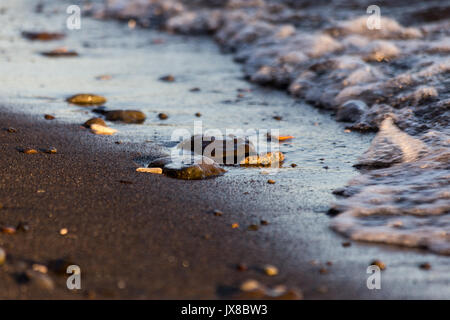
39	268
63	231
11	130
30	151
270	181
150	170
8	230
323	271
425	266
194	89
92	121
49	117
235	225
242	267
51	150
86	99
293	165
127	116
102	130
252	289
264	222
379	263
278	118
218	213
264	160
104	77
59	53
198	114
346	244
168	78
163	116
23	226
2	256
42	36
270	270
253	227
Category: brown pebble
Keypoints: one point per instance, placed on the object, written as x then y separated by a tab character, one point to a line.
218	213
379	263
346	244
168	78
253	227
11	130
207	236
235	225
264	222
278	118
194	89
2	256
163	116
270	270
242	267
8	230
42	36
198	114
425	266
51	150
270	181
323	271
92	121
49	117
329	263
293	165
325	167
30	151
23	227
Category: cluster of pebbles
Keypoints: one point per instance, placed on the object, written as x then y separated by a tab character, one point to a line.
394	80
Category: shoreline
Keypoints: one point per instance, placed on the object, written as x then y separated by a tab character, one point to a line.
150	237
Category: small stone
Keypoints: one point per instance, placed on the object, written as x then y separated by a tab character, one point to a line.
346	244
325	167
278	118
250	285
264	222
104	77
329	263
127	116
218	213
425	266
293	165
30	151
379	263
11	130
253	227
163	116
263	160
198	114
92	121
2	256
40	268
102	130
150	170
42	36
51	150
270	270
49	117
194	89
23	227
270	181
63	231
86	99
235	225
8	230
323	271
168	78
60	53
242	267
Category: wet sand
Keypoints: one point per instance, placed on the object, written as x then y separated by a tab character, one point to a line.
148	237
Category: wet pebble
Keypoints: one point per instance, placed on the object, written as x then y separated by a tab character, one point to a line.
51	150
425	266
379	263
126	116
270	181
163	116
8	230
150	170
23	227
263	160
198	114
63	231
102	130
293	165
242	267
42	36
253	227
188	167
346	244
86	99
270	270
11	130
218	213
2	256
278	118
351	111
264	222
167	78
194	89
30	151
49	117
252	289
92	121
60	53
